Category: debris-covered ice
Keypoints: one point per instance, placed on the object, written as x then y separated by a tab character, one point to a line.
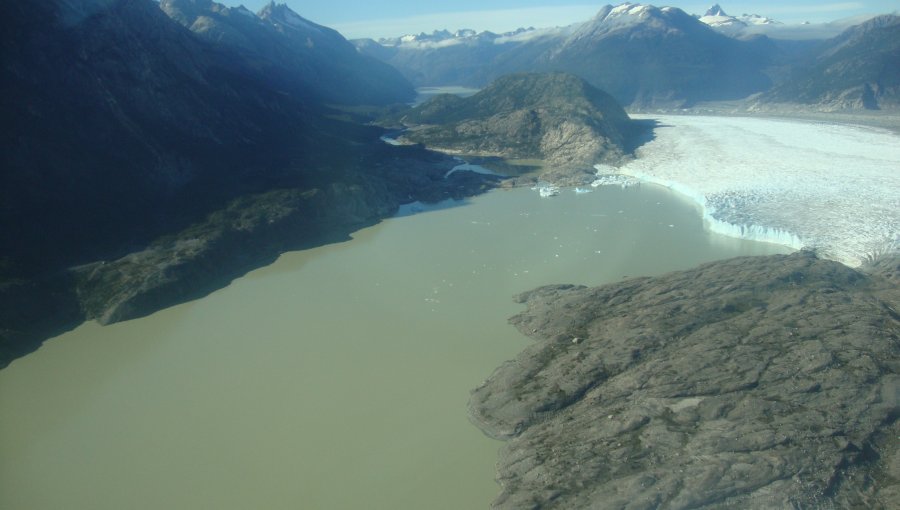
835	188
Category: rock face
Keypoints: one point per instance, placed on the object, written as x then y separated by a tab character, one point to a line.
859	69
556	117
763	382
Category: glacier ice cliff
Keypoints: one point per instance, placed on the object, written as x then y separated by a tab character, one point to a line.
832	188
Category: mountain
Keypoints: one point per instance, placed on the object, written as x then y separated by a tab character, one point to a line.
294	53
641	54
858	69
558	118
716	18
644	56
464	57
115	121
144	165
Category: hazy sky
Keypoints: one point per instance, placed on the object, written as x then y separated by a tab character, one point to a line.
365	18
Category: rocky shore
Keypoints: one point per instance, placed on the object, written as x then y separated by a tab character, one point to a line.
761	382
250	232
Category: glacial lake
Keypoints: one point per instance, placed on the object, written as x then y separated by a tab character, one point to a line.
336	377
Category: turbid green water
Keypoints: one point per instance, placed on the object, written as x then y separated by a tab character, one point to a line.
336	378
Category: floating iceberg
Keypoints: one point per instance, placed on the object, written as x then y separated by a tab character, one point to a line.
548	191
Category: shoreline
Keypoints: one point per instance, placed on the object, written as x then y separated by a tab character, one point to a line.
749	232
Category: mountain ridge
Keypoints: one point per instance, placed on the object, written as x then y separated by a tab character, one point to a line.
859	69
301	56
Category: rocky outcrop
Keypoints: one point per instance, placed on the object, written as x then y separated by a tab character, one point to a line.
558	118
763	382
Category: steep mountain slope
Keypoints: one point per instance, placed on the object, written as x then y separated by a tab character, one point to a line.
112	123
129	139
858	69
295	53
641	54
558	118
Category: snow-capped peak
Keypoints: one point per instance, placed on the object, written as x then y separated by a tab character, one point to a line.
630	9
716	18
715	10
444	38
756	19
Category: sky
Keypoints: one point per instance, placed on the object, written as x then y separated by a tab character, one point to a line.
365	18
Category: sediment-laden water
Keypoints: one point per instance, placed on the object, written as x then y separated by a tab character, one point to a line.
337	377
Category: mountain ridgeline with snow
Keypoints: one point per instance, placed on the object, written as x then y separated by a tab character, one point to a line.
716	18
641	54
647	56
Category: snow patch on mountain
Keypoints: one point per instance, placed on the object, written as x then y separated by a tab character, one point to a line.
445	38
717	18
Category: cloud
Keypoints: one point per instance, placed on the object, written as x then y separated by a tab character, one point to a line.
813	9
499	20
796	13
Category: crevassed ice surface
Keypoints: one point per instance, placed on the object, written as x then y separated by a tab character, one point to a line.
835	188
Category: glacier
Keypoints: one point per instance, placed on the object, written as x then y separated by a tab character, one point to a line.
829	187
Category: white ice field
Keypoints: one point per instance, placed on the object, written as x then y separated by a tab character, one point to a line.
835	188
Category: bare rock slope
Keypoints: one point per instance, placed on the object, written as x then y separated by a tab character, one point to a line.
555	117
762	382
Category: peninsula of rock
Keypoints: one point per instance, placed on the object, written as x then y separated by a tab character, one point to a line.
756	382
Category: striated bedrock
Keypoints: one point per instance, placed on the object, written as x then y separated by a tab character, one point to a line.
760	382
555	117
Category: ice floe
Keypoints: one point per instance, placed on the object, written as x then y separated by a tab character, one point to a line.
835	188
